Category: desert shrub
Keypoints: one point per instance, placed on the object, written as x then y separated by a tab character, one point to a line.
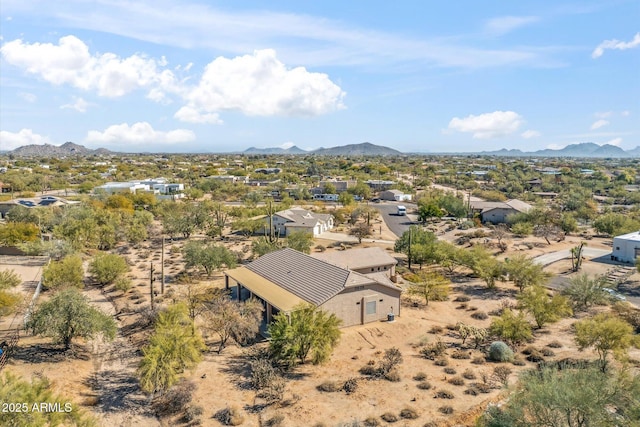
456	381
441	361
480	315
434	350
472	391
393	376
444	394
518	361
192	413
469	374
462	298
436	329
459	354
369	370
320	248
174	400
462	306
275	421
501	373
392	358
350	385
547	352
389	417
555	344
424	385
478	360
528	350
451	327
450	371
535	356
329	386
430	424
420	376
500	352
122	284
230	416
371	422
446	409
262	373
409	414
472	308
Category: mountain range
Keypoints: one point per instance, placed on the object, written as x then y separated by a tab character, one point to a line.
585	149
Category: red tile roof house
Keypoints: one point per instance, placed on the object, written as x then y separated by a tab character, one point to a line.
287	278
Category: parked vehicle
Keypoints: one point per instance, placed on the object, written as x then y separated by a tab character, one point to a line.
402	210
613	294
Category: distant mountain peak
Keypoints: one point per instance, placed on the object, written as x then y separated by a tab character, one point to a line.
49	150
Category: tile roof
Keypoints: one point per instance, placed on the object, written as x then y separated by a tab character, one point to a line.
302	217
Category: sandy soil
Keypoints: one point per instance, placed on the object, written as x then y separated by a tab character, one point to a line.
101	376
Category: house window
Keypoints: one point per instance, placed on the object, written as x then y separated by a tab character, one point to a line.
617	248
370	308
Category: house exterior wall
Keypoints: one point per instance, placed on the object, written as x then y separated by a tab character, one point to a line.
350	305
382	267
625	249
497	215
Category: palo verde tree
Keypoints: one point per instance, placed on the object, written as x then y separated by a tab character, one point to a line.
606	333
300	241
511	327
429	285
8	300
208	256
525	272
63	274
544	308
305	330
568	397
107	268
68	315
175	345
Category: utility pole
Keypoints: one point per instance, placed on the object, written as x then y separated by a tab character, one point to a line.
409	251
153	302
162	268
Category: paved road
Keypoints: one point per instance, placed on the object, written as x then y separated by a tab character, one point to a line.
397	224
587	252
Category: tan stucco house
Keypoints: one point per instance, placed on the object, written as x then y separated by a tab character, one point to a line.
286	278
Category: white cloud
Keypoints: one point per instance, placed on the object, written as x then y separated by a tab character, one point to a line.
625	113
11	140
505	24
79	104
615	44
29	97
555	147
603	114
261	85
137	134
614	141
530	134
488	125
70	62
191	115
599	123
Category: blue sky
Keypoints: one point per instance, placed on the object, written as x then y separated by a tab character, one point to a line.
215	76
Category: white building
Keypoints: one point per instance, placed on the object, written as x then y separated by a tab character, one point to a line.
122	187
297	219
395	195
626	248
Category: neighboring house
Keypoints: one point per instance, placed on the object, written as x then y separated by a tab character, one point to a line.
286	278
33	202
298	219
626	248
230	178
497	212
379	185
121	187
395	195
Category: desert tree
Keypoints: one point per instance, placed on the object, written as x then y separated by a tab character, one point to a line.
305	330
229	319
576	256
208	256
8	300
544	308
174	346
429	285
511	327
262	246
606	333
65	273
500	232
525	272
107	268
300	241
68	315
37	391
485	266
568	397
360	230
585	291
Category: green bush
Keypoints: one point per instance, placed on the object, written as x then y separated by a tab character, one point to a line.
106	268
500	352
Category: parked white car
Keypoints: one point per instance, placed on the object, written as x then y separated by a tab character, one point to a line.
614	294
